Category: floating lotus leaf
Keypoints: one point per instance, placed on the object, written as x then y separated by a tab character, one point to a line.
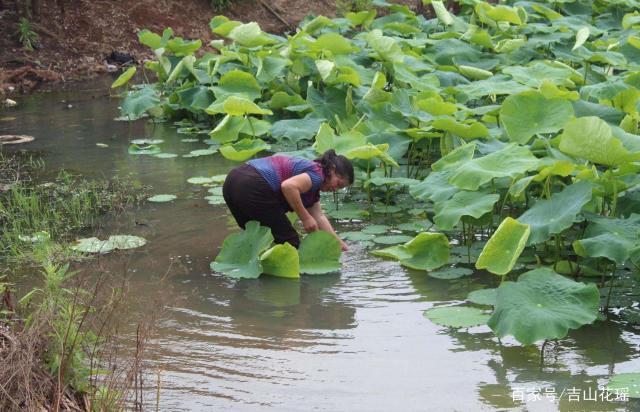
240	253
456	316
346	213
250	35
509	161
627	382
543	305
243	149
475	204
92	245
450	273
282	261
239	106
483	297
125	242
391	239
146	141
124	77
419	226
162	198
505	246
397	252
199	180
200	152
319	253
386	209
376	229
144	149
435	187
165	155
529	113
356	236
591	138
548	217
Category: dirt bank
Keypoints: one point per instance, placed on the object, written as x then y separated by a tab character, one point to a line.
75	38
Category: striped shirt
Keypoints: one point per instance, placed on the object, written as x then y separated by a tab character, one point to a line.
277	169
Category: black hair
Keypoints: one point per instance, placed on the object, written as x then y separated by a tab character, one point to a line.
339	164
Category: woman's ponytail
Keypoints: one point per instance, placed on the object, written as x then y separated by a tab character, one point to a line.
339	164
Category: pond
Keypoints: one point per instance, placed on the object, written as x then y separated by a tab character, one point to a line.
357	340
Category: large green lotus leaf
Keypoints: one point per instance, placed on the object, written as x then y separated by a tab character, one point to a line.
332	42
510	161
609	245
386	47
240	254
466	131
250	35
198	97
295	129
483	297
243	149
452	159
397	252
237	83
376	229
428	251
475	204
138	102
591	138
434	187
548	217
125	242
391	239
526	114
370	151
281	100
361	18
627	382
356	236
543	305
282	261
504	248
228	129
326	139
181	47
239	106
329	104
496	85
457	316
319	253
270	68
449	273
539	71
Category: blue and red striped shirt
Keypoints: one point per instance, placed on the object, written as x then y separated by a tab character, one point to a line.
277	169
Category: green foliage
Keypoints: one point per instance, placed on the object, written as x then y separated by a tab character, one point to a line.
218	5
345	6
27	36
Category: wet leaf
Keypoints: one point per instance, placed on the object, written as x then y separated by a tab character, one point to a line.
162	198
505	246
282	261
319	253
240	253
483	297
243	149
456	316
450	273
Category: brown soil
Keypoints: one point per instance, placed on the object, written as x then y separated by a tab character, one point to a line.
74	42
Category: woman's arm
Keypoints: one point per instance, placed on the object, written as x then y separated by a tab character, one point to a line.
324	224
291	189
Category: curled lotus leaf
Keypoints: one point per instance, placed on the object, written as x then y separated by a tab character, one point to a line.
501	252
526	114
250	35
240	253
124	77
456	316
613	238
237	83
282	261
243	149
319	253
591	138
426	251
548	217
239	106
472	130
543	305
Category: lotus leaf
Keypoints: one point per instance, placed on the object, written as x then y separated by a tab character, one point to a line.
591	138
240	254
200	152
456	316
627	382
474	72
125	242
475	204
228	129
295	129
328	105
243	149
282	261
435	187
139	102
428	251
92	245
146	141
356	236
165	155
397	252
473	130
543	305
326	139
483	297
539	71
319	253
162	198
391	239
609	245
548	217
238	106
496	85
509	161
457	156
450	273
419	226
529	113
334	43
124	77
504	248
250	35
144	149
386	47
376	229
281	100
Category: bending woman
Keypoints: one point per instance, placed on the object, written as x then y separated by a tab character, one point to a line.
266	189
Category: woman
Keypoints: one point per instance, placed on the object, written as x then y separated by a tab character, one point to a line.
266	189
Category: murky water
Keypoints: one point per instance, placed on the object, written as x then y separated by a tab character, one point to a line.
356	341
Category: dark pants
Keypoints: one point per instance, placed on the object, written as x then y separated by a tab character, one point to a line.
249	197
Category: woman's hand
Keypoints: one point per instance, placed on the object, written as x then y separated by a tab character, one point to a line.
310	224
343	246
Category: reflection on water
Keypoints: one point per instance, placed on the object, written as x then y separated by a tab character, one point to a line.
353	341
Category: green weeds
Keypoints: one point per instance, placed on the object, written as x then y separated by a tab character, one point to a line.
26	34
